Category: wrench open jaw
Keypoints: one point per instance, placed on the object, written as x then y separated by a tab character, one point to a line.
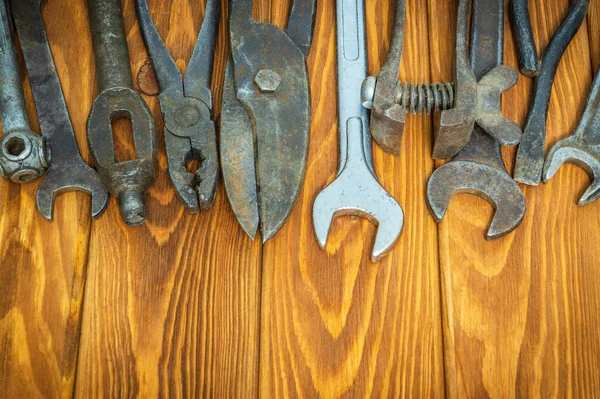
356	191
478	168
576	151
582	148
472	172
68	171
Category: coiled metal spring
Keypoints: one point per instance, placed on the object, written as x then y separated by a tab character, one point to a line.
428	97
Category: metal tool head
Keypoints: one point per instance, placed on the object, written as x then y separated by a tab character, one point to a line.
186	105
488	182
356	191
577	151
128	180
80	178
265	120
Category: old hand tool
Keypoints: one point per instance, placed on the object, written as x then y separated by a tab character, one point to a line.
23	156
478	168
67	172
356	189
186	106
530	155
521	27
265	119
477	100
582	148
128	180
473	101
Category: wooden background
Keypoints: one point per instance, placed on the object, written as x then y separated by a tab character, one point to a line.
189	306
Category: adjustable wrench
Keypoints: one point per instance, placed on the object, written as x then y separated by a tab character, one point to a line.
356	189
128	180
478	168
582	148
23	155
67	171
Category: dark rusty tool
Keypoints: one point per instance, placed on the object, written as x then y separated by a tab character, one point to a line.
529	62
186	106
356	189
67	171
478	168
476	101
582	147
23	154
530	155
265	119
128	180
462	103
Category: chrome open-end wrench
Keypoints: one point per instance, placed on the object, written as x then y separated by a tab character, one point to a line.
356	189
582	147
23	154
67	172
128	180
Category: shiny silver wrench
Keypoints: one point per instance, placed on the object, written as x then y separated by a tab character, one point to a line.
356	189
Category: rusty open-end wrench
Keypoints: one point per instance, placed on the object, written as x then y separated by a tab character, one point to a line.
356	189
478	168
582	147
68	172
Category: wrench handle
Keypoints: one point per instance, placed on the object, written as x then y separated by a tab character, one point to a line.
351	72
110	44
12	101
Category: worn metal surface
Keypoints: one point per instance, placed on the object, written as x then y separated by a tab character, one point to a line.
128	180
264	149
478	168
388	117
23	154
67	172
530	155
356	189
186	105
582	148
529	62
475	101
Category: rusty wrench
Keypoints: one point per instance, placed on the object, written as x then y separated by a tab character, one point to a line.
582	148
530	155
23	154
128	180
356	189
67	172
478	168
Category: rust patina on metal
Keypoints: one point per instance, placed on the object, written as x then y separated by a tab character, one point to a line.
478	168
265	120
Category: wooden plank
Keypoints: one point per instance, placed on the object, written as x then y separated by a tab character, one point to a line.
43	264
334	324
172	306
521	313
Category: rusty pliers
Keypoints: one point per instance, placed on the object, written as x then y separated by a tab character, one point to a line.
186	105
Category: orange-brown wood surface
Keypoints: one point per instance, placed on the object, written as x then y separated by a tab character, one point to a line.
188	306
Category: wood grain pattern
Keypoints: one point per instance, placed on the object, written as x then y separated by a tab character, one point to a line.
172	306
43	264
519	312
188	306
334	324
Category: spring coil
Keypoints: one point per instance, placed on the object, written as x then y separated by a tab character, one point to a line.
428	97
